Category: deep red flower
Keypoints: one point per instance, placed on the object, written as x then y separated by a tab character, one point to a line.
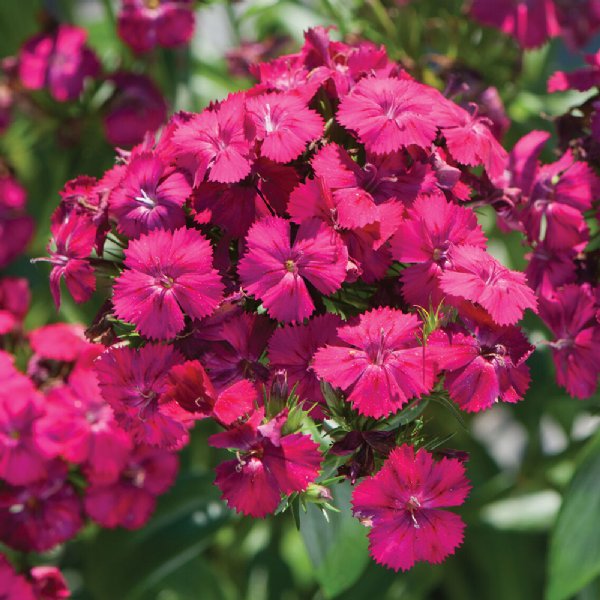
268	464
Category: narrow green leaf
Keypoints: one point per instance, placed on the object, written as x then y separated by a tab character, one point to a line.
574	559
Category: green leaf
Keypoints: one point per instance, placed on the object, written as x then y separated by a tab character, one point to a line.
339	549
128	564
574	559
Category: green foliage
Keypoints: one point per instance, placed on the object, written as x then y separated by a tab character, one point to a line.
574	560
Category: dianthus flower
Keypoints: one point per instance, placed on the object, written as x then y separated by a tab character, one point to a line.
136	107
130	500
168	274
476	276
274	270
48	583
145	24
132	382
487	367
70	247
59	61
283	123
267	464
150	196
291	349
79	425
571	314
217	140
379	362
402	503
42	514
431	227
64	342
14	586
389	114
22	459
530	22
16	228
14	303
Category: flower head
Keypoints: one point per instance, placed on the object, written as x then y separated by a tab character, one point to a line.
403	503
168	274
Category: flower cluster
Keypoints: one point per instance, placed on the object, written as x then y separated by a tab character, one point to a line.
63	457
301	261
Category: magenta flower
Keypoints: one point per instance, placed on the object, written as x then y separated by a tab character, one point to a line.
130	501
471	142
283	123
59	61
402	503
15	298
168	274
136	107
145	24
274	270
379	362
14	586
62	342
530	22
390	114
133	383
268	464
485	368
69	248
16	228
216	138
431	227
42	514
572	315
80	426
22	457
150	196
478	277
291	349
49	583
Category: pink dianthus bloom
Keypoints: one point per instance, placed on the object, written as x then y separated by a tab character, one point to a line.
15	298
79	425
145	24
476	276
431	227
267	464
133	382
284	124
402	503
150	196
471	142
70	247
16	228
22	458
379	362
572	315
485	368
59	61
217	139
530	22
168	274
274	270
64	342
130	501
389	114
49	583
42	514
136	107
12	585
291	349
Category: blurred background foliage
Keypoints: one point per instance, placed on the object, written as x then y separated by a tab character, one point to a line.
520	544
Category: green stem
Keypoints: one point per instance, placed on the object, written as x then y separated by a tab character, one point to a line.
109	10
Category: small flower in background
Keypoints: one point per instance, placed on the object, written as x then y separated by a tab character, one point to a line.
58	61
16	228
402	504
135	108
146	24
